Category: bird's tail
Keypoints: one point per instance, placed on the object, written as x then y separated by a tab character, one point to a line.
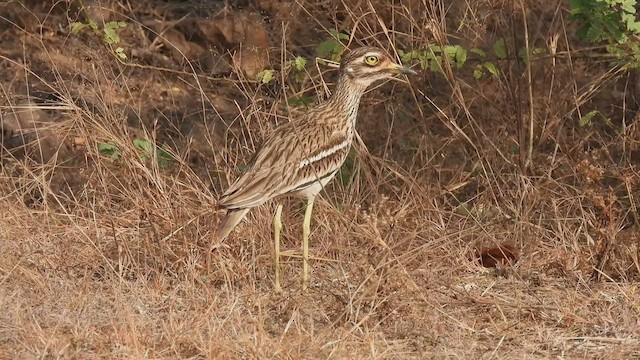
227	224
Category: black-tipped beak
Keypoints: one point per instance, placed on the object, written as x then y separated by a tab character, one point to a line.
401	69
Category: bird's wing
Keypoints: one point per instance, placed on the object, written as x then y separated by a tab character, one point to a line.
291	159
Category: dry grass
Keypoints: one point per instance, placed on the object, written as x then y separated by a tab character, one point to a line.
108	258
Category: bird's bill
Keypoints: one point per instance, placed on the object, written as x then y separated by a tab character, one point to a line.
401	69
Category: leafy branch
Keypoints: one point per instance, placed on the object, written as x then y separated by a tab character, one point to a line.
612	22
108	33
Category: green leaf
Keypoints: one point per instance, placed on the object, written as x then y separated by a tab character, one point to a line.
588	118
435	65
615	50
425	59
93	24
164	157
594	33
499	49
628	6
491	68
76	27
478	52
265	76
338	35
120	53
116	24
451	51
477	73
325	49
461	55
109	150
144	147
299	63
332	48
110	31
146	150
407	56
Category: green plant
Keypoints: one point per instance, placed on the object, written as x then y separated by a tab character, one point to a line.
265	76
587	119
605	20
478	71
145	148
500	49
297	67
332	48
109	149
108	34
432	57
612	22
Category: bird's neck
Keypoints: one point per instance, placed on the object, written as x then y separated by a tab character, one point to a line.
346	99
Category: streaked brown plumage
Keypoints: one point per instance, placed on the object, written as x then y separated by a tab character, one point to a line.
302	156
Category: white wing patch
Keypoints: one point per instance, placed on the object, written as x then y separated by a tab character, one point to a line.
324	153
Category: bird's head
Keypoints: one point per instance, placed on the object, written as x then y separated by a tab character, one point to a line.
365	65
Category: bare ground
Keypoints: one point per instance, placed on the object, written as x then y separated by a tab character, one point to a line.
107	256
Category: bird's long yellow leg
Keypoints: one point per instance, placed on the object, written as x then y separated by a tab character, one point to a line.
277	226
306	231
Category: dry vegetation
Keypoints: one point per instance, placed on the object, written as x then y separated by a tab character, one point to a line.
107	258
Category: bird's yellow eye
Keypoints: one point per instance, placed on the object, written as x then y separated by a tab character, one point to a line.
371	60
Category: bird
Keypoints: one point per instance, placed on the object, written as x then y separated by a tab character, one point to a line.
301	156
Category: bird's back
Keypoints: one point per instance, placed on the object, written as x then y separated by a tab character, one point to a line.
295	156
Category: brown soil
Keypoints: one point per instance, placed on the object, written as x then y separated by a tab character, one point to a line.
437	240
